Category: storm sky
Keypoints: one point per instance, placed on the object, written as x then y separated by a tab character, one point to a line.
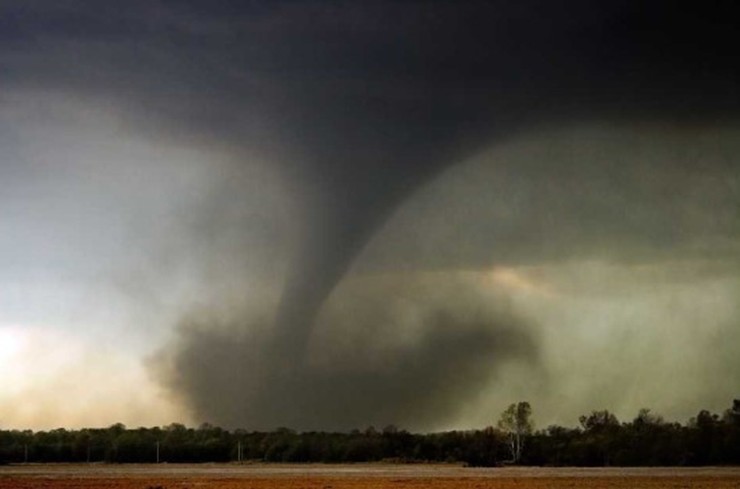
329	215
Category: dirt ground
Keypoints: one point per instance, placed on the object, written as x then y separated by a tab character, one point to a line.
361	476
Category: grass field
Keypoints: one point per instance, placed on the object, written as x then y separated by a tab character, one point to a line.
360	476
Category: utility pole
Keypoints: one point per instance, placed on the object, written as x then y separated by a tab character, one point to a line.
239	452
25	453
157	451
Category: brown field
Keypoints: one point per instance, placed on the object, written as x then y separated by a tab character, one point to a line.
360	476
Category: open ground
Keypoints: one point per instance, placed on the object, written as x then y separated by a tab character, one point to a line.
356	476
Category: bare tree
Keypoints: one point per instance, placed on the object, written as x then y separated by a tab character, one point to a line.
516	422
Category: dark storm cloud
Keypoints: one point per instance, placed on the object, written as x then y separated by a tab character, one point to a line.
358	105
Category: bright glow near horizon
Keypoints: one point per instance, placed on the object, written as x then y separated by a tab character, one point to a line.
52	379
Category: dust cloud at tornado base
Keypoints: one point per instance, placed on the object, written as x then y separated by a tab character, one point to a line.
384	355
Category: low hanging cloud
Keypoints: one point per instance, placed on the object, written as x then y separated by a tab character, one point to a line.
505	279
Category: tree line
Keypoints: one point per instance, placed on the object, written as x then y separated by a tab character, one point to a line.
600	440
